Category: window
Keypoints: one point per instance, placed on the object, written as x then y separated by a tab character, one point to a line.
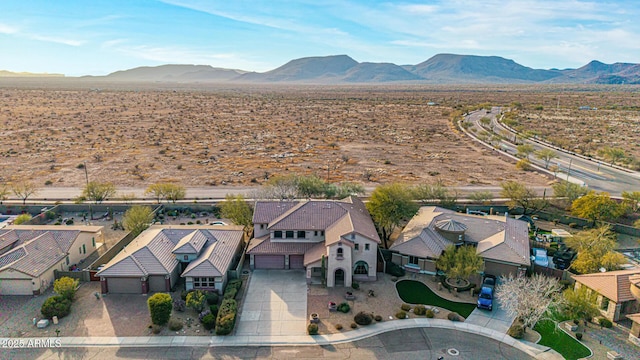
322	233
604	305
196	282
93	241
353	236
340	253
67	260
289	234
361	268
80	250
186	257
302	234
315	233
212	282
356	246
366	247
261	226
413	260
84	249
277	234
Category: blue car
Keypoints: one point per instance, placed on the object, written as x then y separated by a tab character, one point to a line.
485	299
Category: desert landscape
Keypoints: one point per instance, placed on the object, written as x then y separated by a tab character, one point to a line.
138	134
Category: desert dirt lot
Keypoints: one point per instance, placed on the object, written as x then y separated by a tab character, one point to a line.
242	136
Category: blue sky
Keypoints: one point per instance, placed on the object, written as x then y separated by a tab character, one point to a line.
98	37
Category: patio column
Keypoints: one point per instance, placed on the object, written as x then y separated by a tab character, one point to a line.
104	286
144	285
167	283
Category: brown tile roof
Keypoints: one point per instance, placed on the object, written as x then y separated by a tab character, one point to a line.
265	246
314	254
614	285
217	256
265	211
191	244
510	245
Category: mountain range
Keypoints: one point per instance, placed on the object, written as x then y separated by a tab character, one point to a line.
342	69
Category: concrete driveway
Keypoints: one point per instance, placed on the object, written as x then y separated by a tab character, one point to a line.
496	320
275	304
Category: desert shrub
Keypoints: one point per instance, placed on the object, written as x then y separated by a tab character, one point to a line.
156	329
56	306
175	324
212	298
226	318
160	306
209	321
355	285
343	307
430	314
354	325
394	269
565	283
516	331
214	309
453	316
236	284
363	318
419	310
203	314
21	219
179	305
378	318
66	287
338	326
605	322
312	329
230	293
184	293
401	315
579	335
524	165
69	222
405	307
196	300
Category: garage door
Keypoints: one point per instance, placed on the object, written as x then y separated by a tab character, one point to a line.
124	285
296	261
157	283
269	261
15	287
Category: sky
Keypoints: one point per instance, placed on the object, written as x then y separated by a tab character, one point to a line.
96	37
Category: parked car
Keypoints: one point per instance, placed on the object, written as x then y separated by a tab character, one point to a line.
562	259
540	257
485	299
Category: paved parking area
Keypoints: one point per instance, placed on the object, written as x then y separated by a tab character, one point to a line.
496	320
275	304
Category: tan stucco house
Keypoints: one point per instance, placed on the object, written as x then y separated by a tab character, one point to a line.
614	288
29	254
501	241
306	234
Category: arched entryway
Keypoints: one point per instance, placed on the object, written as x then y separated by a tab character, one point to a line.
339	277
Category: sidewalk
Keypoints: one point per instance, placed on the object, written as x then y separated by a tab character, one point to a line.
298	340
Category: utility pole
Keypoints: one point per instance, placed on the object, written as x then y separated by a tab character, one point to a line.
86	175
569	171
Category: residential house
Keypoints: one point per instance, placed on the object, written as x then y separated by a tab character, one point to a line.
155	260
29	254
501	241
634	334
614	288
337	235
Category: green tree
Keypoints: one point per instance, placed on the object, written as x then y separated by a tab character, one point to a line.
436	192
546	155
596	249
23	190
632	199
21	219
613	155
174	192
238	210
310	186
346	189
522	196
460	263
568	191
389	206
196	300
157	190
581	303
160	306
98	192
56	306
137	219
66	287
481	196
597	207
524	150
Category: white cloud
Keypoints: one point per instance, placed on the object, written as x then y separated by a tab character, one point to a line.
57	40
7	29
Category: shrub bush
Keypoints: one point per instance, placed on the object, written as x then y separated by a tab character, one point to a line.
362	318
516	331
565	283
453	316
156	329
354	325
419	310
226	318
160	306
196	300
355	285
378	318
209	321
236	284
605	322
230	293
175	324
338	326
430	314
66	287
343	307
203	314
312	329
214	309
405	307
56	306
212	298
401	315
179	305
579	335
394	269
184	293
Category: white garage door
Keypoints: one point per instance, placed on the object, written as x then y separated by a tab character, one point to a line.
15	287
124	285
269	261
296	261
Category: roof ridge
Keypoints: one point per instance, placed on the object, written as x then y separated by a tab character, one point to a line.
287	213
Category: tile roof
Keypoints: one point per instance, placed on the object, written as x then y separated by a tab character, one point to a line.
315	254
265	211
217	256
265	246
614	285
308	215
191	244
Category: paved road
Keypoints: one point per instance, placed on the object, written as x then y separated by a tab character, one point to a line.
595	175
420	343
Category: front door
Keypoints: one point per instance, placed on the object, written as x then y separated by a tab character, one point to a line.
339	278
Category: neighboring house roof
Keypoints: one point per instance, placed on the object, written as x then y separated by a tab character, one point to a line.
191	244
35	249
634	317
497	238
218	255
151	253
614	285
